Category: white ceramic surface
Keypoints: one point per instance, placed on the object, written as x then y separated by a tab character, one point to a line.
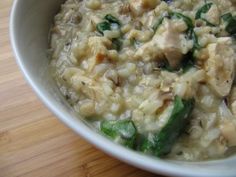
29	26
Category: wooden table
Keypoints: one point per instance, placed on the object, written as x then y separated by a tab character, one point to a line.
33	142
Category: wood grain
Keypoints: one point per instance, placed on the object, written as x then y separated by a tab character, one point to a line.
33	142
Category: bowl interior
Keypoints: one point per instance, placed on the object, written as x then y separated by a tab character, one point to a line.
29	28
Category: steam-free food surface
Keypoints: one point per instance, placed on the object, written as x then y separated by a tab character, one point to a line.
155	76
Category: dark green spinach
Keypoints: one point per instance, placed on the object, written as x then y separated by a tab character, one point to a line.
162	142
122	131
230	21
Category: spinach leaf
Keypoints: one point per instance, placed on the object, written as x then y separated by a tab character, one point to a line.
173	15
103	26
231	27
188	60
158	24
162	142
226	17
230	21
112	19
122	131
204	9
144	145
190	31
107	25
175	126
186	19
117	44
192	35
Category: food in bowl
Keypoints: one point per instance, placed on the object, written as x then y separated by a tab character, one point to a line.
155	76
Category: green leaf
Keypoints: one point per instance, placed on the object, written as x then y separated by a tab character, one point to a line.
166	138
158	24
112	19
192	35
188	61
226	17
231	26
117	44
196	44
122	131
186	19
144	144
107	25
204	9
162	142
190	32
230	21
147	147
103	26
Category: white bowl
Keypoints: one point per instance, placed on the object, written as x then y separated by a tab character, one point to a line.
29	27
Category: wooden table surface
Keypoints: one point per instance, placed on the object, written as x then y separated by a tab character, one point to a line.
33	142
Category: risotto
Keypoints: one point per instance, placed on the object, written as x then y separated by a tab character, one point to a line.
156	76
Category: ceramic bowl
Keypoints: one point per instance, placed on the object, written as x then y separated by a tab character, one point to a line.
29	30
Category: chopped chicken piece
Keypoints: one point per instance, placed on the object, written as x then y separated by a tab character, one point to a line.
170	44
213	15
87	108
98	44
187	85
94	51
142	36
150	105
149	51
139	6
167	44
220	66
84	84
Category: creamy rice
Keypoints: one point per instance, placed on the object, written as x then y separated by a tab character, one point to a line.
130	62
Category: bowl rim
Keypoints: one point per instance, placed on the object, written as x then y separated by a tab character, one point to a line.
155	165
